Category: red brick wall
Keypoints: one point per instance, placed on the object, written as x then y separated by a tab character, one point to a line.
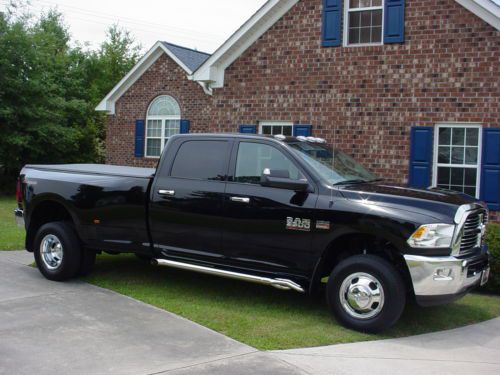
364	99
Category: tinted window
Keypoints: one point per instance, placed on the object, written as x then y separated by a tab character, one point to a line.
253	158
201	160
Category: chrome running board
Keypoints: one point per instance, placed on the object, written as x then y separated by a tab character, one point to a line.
283	284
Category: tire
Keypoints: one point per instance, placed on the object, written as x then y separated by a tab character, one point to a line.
366	293
87	262
63	262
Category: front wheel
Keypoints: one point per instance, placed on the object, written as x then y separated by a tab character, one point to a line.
58	251
366	293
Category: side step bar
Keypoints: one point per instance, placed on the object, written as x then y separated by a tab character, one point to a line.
276	283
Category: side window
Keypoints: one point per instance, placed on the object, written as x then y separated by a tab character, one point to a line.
253	158
201	160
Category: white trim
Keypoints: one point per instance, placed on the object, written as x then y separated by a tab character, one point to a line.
435	163
487	10
212	71
345	22
109	101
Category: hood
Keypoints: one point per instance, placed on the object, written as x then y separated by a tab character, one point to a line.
437	203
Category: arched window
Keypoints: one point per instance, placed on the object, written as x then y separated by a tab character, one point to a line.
163	121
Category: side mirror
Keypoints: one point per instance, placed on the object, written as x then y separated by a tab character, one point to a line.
280	179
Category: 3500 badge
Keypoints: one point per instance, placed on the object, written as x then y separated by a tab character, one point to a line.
298	224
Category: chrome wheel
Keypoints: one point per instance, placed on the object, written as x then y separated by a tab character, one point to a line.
51	252
362	295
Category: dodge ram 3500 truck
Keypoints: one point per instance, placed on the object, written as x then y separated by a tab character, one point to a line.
282	211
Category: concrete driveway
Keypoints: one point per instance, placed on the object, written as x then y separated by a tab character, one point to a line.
76	328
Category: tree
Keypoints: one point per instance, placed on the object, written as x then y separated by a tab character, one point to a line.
49	90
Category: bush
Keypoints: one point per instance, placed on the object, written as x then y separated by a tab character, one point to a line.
493	241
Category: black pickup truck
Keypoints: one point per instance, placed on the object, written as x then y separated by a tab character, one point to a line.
292	213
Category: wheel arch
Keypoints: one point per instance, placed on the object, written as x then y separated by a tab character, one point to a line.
43	210
351	243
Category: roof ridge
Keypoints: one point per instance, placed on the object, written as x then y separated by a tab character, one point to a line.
186	48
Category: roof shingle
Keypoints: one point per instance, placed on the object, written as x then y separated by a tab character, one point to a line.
191	58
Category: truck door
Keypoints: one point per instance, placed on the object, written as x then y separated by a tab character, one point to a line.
266	228
186	216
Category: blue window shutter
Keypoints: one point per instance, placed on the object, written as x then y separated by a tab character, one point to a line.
248	129
139	138
302	130
421	156
394	21
490	168
332	23
185	126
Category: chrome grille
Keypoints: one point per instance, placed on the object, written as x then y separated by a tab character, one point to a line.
471	237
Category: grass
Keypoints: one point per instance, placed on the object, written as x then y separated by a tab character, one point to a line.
11	236
263	317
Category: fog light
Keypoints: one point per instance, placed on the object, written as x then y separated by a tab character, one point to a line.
443	274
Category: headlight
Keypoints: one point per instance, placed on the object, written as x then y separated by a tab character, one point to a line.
432	235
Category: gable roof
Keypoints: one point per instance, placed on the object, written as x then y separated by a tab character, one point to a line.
193	59
487	10
188	59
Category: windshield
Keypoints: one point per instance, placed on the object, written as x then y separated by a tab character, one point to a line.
332	165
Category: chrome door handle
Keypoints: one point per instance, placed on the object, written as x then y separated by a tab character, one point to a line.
169	193
240	199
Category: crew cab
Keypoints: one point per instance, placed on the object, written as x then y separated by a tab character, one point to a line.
291	213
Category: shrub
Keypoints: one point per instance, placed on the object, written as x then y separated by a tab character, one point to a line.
493	241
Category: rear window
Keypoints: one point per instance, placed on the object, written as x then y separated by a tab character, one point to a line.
201	160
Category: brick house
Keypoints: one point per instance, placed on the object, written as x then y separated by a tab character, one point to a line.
411	89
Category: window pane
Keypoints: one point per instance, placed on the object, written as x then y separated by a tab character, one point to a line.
457	155
154	128
354	19
443	176
354	4
253	158
470	177
267	130
202	160
376	3
444	136
471	155
366	19
353	36
376	35
153	147
472	138
365	35
172	127
164	106
377	18
457	176
287	130
364	3
444	155
470	191
458	136
277	130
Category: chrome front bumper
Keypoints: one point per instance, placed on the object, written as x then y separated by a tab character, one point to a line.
441	279
19	215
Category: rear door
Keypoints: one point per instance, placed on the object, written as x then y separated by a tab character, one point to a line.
266	228
186	215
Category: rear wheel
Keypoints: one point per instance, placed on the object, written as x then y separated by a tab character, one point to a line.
58	252
366	293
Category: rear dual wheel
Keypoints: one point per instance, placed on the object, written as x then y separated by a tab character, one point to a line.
58	252
366	293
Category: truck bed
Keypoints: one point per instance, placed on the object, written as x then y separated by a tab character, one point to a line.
99	169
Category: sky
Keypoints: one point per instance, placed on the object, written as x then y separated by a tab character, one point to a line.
199	24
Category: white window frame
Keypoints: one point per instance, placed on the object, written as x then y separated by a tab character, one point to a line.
273	124
346	25
163	120
436	165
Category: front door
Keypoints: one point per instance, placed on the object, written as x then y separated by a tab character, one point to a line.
266	228
187	200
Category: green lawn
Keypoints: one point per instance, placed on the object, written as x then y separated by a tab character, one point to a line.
11	236
263	317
